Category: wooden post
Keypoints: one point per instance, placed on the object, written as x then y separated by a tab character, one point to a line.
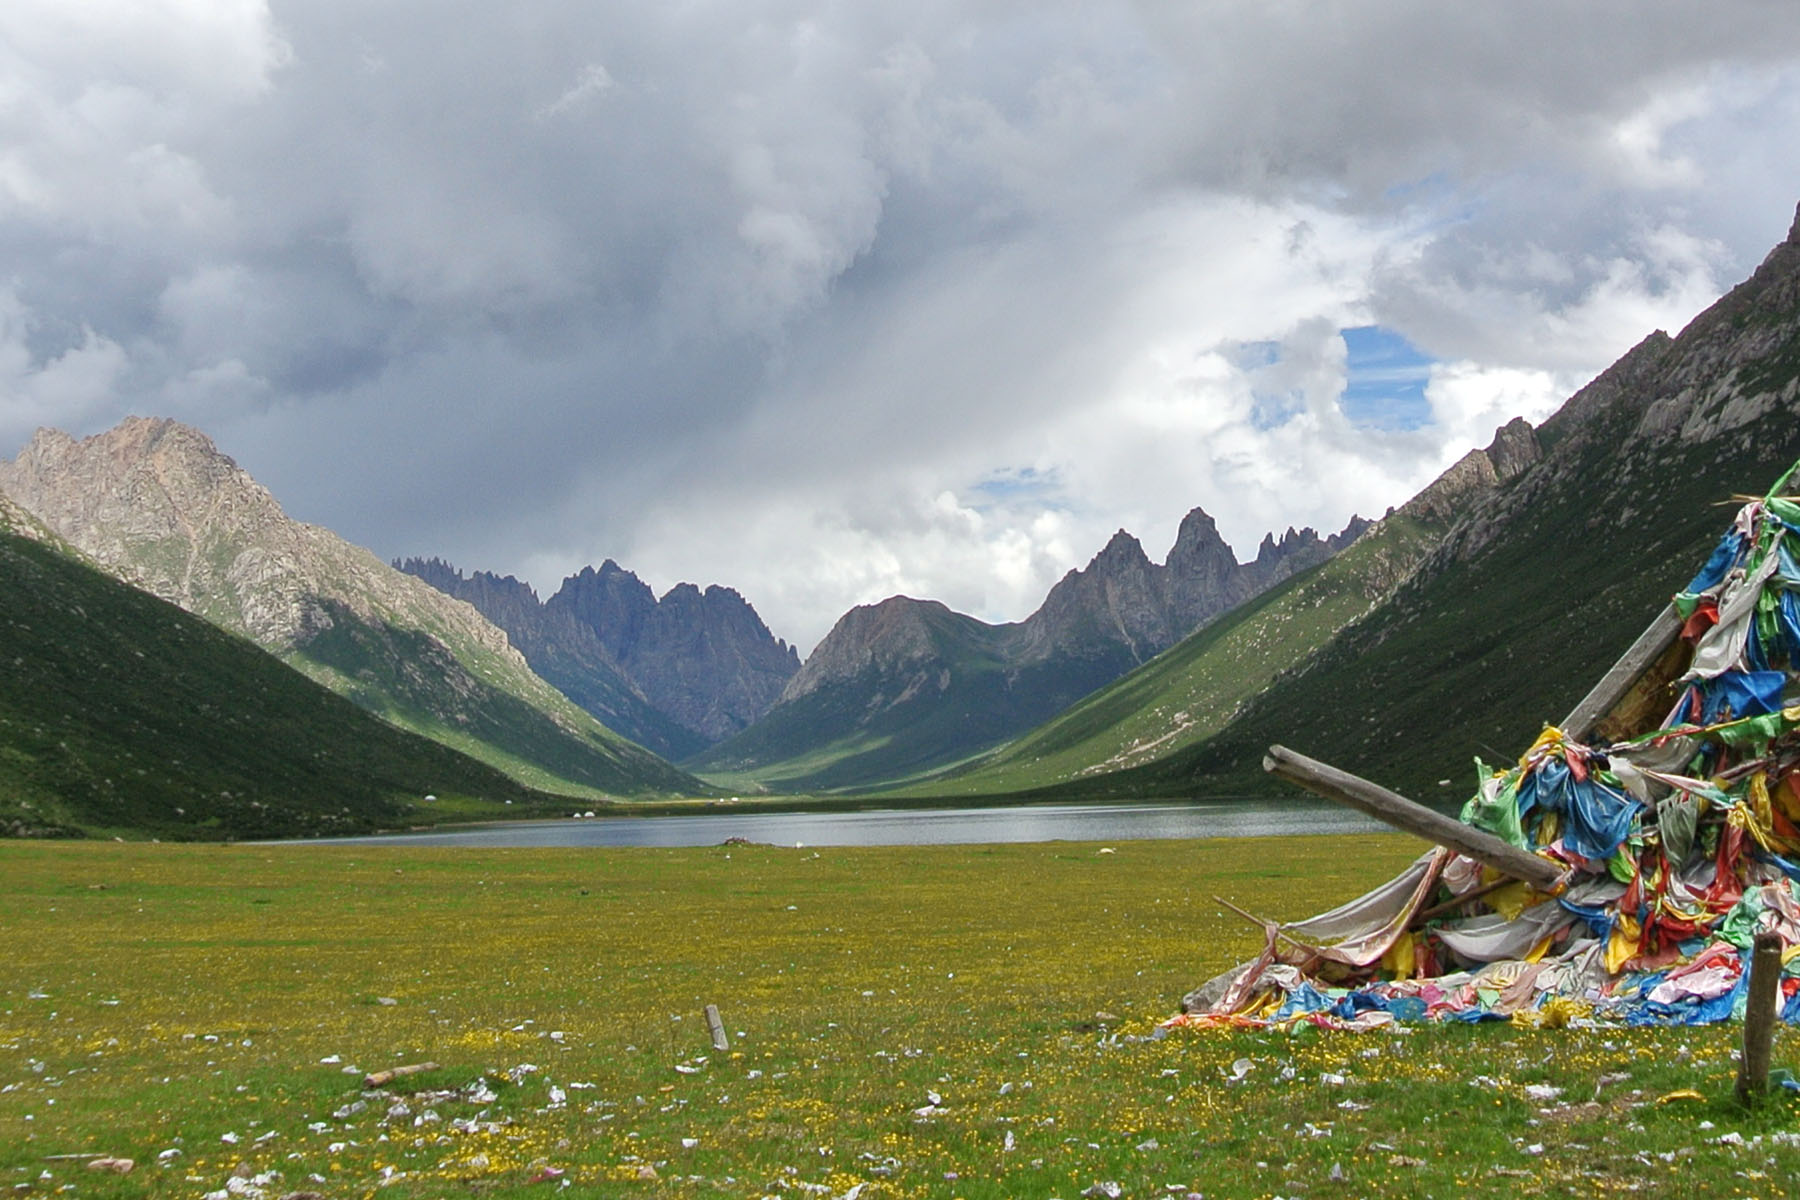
1614	685
717	1025
1404	814
1759	1017
1456	902
377	1078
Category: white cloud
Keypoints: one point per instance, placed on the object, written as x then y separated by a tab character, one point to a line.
593	80
831	302
48	389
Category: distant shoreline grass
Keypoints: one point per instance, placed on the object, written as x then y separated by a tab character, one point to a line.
933	1021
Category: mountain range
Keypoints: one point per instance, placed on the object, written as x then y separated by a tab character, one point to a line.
1456	624
1529	598
155	503
907	686
1195	689
675	675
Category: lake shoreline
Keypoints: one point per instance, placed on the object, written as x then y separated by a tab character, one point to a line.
890	826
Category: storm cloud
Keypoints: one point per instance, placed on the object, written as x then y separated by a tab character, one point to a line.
830	302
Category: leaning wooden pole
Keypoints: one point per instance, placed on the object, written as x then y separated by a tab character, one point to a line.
1404	814
1657	637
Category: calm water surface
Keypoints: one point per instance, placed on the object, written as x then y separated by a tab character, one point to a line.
911	827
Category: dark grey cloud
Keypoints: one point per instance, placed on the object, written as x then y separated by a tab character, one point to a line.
771	293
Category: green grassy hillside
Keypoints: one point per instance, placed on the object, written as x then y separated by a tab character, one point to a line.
827	739
124	714
412	680
1190	692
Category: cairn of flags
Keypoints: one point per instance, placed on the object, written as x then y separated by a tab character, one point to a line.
1659	857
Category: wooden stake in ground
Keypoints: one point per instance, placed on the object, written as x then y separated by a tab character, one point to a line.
717	1025
1412	817
1759	1017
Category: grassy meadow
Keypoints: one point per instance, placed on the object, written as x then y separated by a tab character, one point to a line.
928	1022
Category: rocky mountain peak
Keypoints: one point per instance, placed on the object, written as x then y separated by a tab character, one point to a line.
888	635
1514	448
146	479
1122	548
702	657
1294	541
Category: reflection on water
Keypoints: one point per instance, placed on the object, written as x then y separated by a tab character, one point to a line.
912	827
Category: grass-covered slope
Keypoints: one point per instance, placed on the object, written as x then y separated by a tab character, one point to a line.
1529	601
411	679
889	718
121	713
1189	692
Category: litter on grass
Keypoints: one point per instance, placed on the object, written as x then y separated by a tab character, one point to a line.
1676	844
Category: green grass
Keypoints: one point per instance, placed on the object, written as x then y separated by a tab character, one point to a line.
158	998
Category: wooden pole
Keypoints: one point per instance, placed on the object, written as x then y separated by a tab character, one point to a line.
717	1024
1605	695
1281	933
1759	1017
377	1078
1404	814
1456	902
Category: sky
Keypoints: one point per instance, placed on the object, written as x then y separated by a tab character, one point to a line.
829	302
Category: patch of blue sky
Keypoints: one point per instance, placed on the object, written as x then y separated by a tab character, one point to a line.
1433	203
1019	483
1386	380
1269	409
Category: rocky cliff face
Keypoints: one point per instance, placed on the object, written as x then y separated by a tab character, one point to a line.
675	675
703	657
1129	609
158	505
